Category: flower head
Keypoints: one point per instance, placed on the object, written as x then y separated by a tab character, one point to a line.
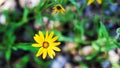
99	1
58	9
47	44
91	1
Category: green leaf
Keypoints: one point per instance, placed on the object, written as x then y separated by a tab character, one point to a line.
118	30
41	62
103	31
74	3
39	18
24	18
40	5
63	38
8	37
83	65
23	62
115	65
117	44
25	59
12	39
18	66
8	54
25	46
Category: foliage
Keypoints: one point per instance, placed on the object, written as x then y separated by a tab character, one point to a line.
18	33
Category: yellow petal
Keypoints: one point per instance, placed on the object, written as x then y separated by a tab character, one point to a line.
90	2
44	54
40	52
46	34
54	7
50	54
53	52
46	37
99	1
55	11
55	38
41	35
62	12
38	39
63	9
56	49
51	34
56	43
36	45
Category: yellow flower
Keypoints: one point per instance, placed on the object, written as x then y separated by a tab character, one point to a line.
58	9
91	1
47	44
99	1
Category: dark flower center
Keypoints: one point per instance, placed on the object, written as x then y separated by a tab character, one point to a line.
58	7
45	44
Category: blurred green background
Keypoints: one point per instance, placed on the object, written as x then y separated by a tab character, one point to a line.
89	35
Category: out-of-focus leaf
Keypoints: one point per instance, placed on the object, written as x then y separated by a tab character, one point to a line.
117	44
63	38
17	66
74	3
24	18
65	18
95	46
83	65
43	63
90	57
9	38
25	46
23	62
29	32
115	65
39	18
97	49
2	28
79	31
102	31
1	47
25	14
118	30
42	2
12	40
96	18
109	46
48	5
8	54
25	59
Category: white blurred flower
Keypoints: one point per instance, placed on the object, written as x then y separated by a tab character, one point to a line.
29	3
87	50
59	62
68	65
113	57
2	19
77	58
69	46
7	5
57	24
37	25
45	20
51	24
